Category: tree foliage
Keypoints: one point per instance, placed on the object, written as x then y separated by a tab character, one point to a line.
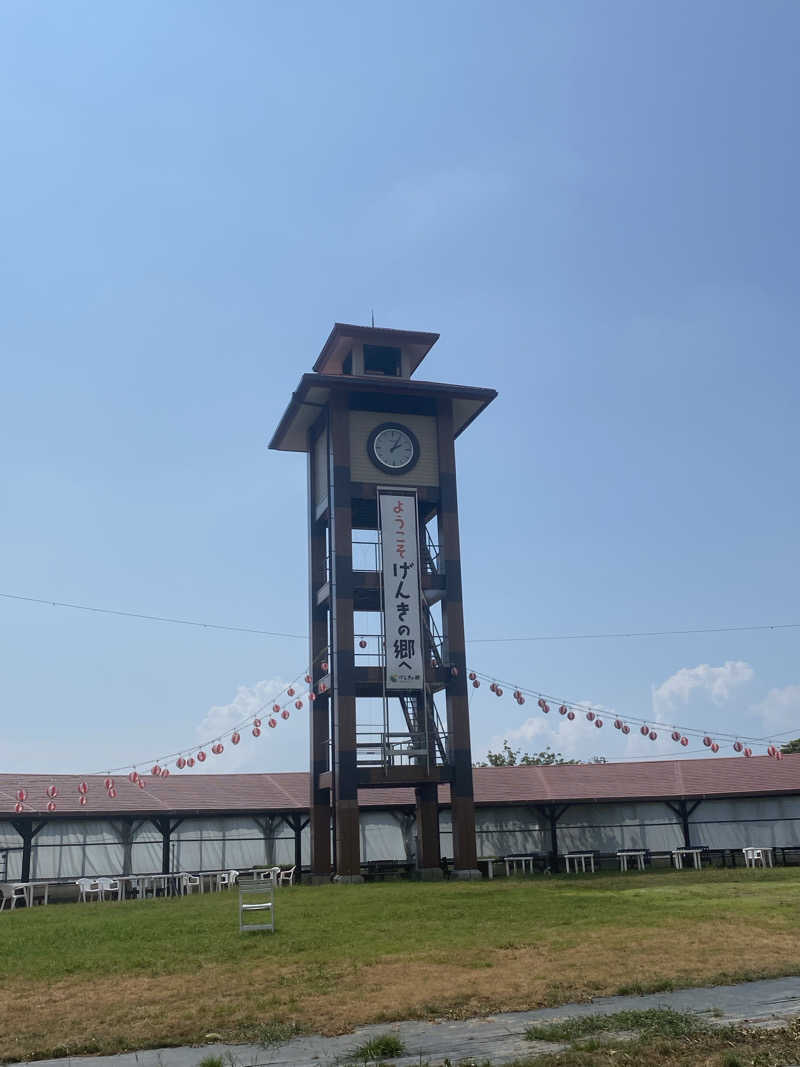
515	757
791	746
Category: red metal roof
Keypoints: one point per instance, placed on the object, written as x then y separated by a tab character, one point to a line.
221	793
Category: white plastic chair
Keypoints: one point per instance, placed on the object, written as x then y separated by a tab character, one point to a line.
88	887
233	877
110	886
287	877
256	899
189	882
12	893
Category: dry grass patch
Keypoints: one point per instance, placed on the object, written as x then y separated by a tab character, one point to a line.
105	977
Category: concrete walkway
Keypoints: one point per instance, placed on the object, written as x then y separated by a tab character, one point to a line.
497	1038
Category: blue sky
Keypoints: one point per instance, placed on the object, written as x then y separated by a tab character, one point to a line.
596	207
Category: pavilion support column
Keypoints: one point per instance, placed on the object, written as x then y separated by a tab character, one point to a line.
27	830
125	830
683	809
551	813
429	858
165	827
345	766
297	823
462	802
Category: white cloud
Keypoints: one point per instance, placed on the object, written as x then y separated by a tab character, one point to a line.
249	701
718	682
780	710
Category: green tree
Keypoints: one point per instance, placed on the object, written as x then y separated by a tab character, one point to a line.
791	746
515	757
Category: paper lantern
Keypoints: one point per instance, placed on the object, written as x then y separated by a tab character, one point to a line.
82	800
83	788
675	735
285	713
498	691
307	679
276	708
540	701
684	741
235	737
737	746
715	747
652	735
272	723
51	805
290	692
472	676
21	794
112	793
134	775
323	667
590	716
644	730
625	728
165	772
492	687
180	763
570	715
256	731
156	771
546	708
617	724
190	761
748	752
362	643
770	751
562	710
598	723
779	754
256	722
140	783
521	701
201	756
475	683
707	742
19	808
52	791
108	783
312	697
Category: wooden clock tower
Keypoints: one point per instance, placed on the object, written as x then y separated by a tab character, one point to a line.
386	621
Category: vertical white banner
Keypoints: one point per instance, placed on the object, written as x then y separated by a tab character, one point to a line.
402	614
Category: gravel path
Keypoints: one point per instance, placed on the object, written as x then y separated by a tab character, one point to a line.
497	1038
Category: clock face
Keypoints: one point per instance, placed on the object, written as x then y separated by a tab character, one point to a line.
393	448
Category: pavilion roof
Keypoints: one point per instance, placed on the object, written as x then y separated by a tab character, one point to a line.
219	794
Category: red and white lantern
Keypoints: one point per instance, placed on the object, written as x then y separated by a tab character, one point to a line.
256	731
52	791
235	737
285	713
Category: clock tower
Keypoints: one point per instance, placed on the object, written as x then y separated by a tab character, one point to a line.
387	657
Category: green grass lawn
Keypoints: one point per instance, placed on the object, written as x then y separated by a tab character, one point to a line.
109	976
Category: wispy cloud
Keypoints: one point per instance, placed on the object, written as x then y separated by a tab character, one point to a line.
249	701
780	710
717	682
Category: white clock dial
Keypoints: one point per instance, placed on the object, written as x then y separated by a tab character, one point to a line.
393	447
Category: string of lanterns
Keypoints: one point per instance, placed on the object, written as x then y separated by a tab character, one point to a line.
570	709
196	754
280	710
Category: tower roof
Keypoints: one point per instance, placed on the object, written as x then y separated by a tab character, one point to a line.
341	338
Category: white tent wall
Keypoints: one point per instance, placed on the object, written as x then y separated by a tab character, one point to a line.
382	837
10	853
740	823
505	831
83	848
608	827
